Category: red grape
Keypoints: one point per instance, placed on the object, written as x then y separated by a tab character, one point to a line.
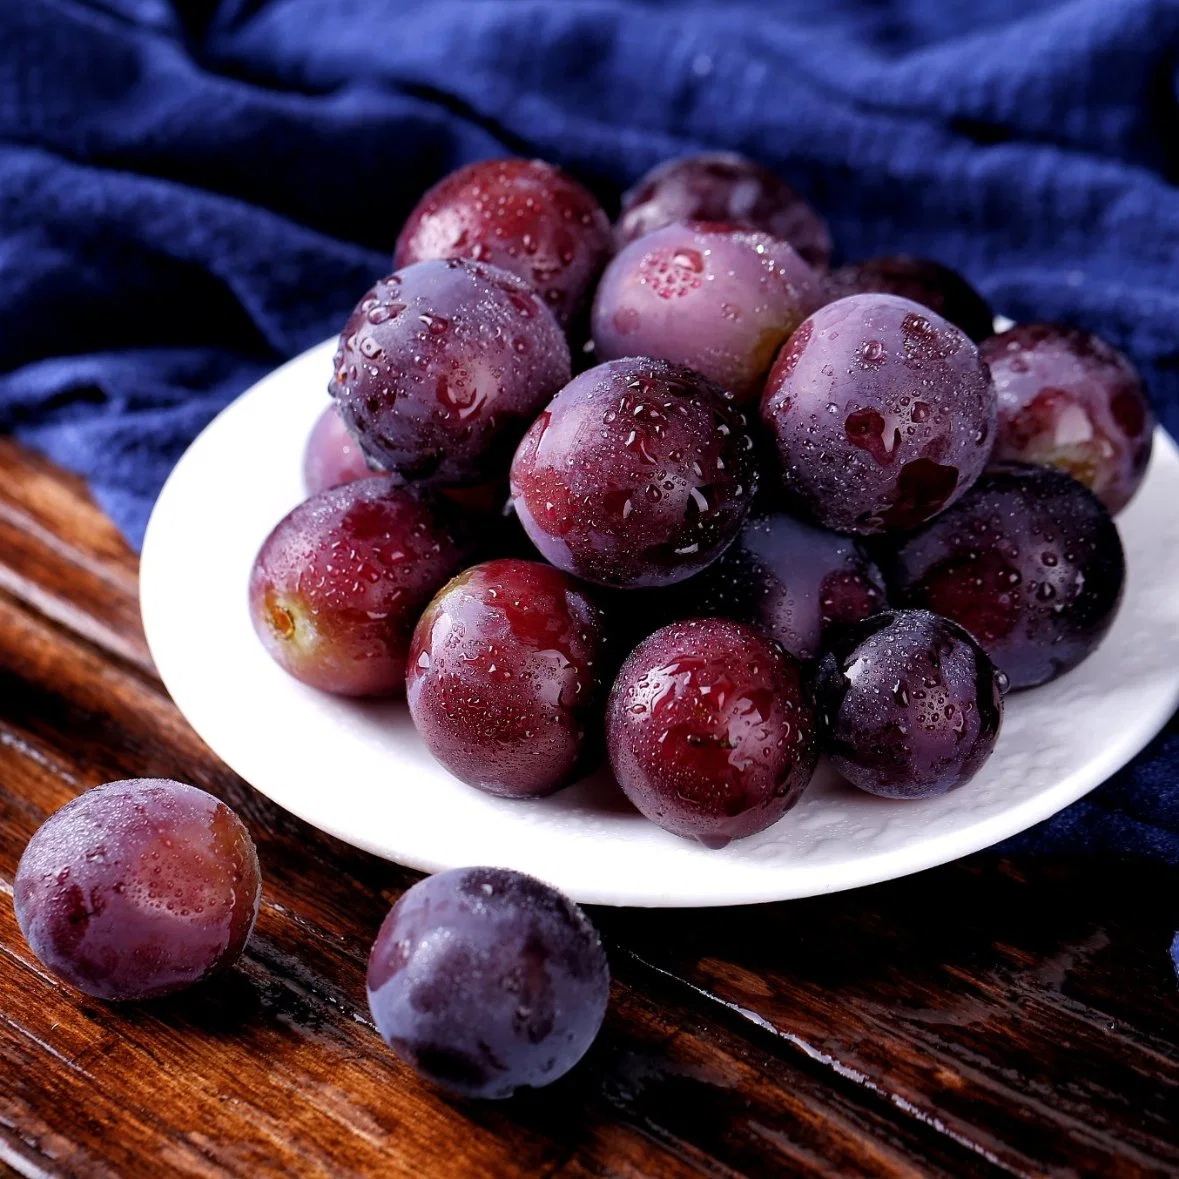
711	730
926	282
525	216
485	981
882	414
912	704
442	366
639	473
723	186
793	580
504	677
332	455
338	585
1069	400
716	298
1028	561
138	888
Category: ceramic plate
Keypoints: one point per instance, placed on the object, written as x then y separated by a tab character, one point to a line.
358	770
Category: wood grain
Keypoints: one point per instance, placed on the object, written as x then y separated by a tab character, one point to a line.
988	1018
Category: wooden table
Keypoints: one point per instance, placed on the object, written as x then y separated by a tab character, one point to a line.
990	1017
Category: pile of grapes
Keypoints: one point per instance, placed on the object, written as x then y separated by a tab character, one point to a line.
778	512
785	512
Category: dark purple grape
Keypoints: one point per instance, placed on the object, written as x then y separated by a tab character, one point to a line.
525	216
332	456
1028	561
1069	400
711	730
504	679
716	298
442	366
338	585
911	704
138	888
638	473
485	980
882	414
923	281
723	186
793	580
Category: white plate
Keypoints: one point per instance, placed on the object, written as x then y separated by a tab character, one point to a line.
359	771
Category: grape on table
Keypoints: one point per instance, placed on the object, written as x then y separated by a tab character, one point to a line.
923	281
504	678
138	888
524	216
638	473
1028	561
881	412
1068	399
725	187
711	730
795	581
485	981
441	368
716	298
911	703
339	583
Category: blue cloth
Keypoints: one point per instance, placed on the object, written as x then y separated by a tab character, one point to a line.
193	190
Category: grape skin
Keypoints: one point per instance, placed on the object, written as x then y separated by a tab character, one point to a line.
881	412
485	981
504	678
332	456
716	298
638	473
912	704
138	888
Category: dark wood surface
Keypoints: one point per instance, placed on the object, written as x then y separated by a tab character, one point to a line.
992	1017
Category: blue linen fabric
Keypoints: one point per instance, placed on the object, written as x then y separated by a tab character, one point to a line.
193	190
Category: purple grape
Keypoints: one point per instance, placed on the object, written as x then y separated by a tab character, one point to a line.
929	283
912	704
442	366
332	455
1028	561
716	298
338	585
882	414
639	473
485	980
723	186
794	581
711	730
1069	400
525	216
504	678
138	888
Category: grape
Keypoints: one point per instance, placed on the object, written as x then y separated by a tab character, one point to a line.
711	730
138	888
911	704
1028	561
442	366
882	414
526	216
929	283
332	455
723	186
485	980
791	579
715	298
504	677
1069	400
338	585
638	473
